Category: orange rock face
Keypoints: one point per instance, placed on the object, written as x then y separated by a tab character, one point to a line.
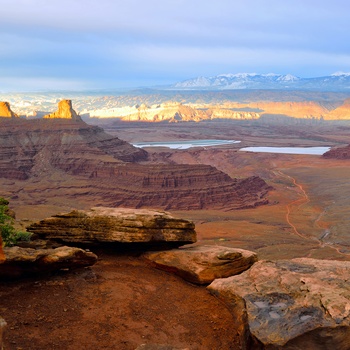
5	110
65	111
340	113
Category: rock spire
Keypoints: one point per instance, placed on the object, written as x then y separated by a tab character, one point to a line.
5	110
65	111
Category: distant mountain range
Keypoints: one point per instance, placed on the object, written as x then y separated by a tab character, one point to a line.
335	82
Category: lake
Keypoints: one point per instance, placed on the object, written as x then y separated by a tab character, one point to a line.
185	144
288	150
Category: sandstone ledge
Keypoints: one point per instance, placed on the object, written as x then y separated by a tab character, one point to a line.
116	225
202	264
23	261
297	304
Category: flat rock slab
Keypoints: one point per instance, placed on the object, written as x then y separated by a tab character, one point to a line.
22	261
290	304
203	264
116	225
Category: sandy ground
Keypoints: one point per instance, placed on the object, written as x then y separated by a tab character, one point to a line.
119	303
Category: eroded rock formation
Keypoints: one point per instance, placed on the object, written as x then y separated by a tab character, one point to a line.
30	147
65	111
203	264
116	225
175	112
109	171
5	111
340	113
338	153
299	304
23	261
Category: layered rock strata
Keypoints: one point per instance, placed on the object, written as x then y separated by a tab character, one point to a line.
111	169
116	225
176	112
5	111
203	264
23	261
30	147
297	304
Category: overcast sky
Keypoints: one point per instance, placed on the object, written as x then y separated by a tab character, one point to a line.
84	44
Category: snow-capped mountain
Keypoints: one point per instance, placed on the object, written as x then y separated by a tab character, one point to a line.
336	82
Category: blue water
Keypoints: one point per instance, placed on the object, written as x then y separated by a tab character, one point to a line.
185	144
288	150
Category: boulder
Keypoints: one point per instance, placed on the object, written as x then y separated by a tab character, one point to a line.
297	304
5	110
65	111
23	261
203	264
116	225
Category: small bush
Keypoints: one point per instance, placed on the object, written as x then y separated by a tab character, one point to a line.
10	236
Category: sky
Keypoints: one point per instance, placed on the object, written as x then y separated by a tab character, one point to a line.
106	44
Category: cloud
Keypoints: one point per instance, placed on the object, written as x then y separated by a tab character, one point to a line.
115	41
41	84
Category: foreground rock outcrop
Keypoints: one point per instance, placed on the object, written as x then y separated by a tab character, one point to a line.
5	111
300	304
116	225
23	261
203	264
65	111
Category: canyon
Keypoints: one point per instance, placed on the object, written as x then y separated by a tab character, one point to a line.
305	201
103	169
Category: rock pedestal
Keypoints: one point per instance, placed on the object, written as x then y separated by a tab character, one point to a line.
65	111
299	304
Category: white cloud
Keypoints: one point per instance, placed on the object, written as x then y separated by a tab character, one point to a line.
115	40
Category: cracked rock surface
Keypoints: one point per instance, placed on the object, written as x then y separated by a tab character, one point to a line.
290	304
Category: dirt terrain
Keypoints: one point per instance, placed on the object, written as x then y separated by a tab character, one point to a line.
121	303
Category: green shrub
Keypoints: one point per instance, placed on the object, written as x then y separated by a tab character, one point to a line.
10	236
